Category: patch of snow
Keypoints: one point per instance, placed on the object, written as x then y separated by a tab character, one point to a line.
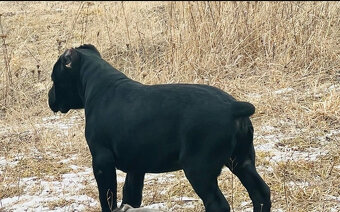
59	122
245	203
246	209
34	203
268	128
332	134
283	90
282	153
4	130
245	206
73	157
272	138
285	153
74	167
5	163
160	206
268	169
181	207
160	178
254	95
186	199
120	176
335	199
331	197
333	87
298	184
49	190
278	210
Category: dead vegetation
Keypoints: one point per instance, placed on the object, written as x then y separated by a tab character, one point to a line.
281	56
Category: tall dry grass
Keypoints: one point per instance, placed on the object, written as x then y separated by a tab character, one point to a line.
281	56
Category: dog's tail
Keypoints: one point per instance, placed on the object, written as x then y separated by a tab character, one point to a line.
242	109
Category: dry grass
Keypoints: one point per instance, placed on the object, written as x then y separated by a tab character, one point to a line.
281	56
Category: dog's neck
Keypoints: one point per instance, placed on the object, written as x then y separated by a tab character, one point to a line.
97	76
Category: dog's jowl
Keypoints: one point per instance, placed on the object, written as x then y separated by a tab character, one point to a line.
142	129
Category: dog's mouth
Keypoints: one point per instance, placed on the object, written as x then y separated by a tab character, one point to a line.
56	108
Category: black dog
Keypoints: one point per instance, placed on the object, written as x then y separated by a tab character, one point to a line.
157	128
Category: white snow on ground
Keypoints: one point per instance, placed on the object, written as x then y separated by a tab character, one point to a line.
6	163
60	123
298	184
283	153
277	92
160	206
152	178
40	192
288	90
284	90
34	203
288	154
248	207
4	130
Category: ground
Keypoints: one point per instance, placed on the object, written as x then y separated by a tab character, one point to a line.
281	56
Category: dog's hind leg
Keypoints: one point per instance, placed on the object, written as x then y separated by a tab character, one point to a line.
257	189
203	179
133	189
207	189
242	164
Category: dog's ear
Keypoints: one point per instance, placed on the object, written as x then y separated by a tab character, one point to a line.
70	58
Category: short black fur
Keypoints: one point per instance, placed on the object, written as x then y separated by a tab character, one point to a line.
142	129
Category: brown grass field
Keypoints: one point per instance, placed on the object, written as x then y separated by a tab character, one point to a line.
284	57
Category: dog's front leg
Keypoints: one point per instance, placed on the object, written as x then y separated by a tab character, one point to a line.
105	173
133	188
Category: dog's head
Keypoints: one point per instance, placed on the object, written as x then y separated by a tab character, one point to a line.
65	93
